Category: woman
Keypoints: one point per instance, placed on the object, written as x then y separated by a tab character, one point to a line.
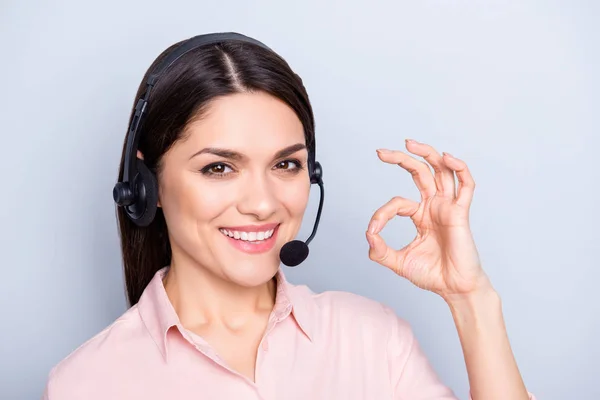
223	140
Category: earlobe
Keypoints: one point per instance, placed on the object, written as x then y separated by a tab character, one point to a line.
140	155
158	204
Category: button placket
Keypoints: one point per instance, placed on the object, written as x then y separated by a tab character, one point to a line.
277	318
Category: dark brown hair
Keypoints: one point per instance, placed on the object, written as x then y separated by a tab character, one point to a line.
181	95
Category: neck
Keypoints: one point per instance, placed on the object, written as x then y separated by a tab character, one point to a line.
201	298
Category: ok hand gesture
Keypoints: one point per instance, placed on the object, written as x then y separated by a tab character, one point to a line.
443	257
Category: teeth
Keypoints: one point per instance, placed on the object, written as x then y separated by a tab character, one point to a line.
248	236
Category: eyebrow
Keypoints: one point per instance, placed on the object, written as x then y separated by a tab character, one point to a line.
236	156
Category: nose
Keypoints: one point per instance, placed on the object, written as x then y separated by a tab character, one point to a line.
258	198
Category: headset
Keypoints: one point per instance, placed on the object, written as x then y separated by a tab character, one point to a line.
137	193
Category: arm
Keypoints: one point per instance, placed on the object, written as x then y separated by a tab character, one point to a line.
491	366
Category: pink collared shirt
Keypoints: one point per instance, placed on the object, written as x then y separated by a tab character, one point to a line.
333	345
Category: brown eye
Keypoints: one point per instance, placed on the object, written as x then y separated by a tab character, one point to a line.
217	169
287	164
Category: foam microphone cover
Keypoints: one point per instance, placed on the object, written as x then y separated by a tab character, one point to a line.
293	253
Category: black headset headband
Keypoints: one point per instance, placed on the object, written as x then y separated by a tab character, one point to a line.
138	191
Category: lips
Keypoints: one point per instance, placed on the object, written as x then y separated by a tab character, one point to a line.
251	228
251	239
248	236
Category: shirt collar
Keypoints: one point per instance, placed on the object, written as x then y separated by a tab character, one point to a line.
294	300
159	316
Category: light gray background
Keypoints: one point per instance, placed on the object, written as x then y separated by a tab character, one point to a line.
510	87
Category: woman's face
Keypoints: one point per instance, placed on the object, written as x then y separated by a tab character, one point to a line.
234	190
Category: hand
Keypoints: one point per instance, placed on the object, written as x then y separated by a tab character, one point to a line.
443	257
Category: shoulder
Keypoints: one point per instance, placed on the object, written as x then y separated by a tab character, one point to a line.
346	310
96	356
104	344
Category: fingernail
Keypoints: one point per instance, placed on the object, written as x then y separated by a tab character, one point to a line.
372	227
384	150
448	154
411	141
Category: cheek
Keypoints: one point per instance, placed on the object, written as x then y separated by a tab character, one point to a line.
187	203
203	203
295	197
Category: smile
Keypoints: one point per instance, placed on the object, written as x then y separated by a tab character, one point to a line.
252	239
248	236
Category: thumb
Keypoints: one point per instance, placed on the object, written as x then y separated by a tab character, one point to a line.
380	252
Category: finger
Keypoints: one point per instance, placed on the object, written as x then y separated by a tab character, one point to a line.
383	254
466	184
444	176
396	206
418	169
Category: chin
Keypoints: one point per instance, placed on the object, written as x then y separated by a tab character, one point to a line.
251	272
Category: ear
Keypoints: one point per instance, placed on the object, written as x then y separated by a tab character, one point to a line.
141	157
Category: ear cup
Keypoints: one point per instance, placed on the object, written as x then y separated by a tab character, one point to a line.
142	212
316	175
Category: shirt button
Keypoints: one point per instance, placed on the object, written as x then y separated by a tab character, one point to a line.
265	346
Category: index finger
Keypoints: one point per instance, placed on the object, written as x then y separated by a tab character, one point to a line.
396	206
418	169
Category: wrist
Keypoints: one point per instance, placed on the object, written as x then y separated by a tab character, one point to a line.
480	288
483	301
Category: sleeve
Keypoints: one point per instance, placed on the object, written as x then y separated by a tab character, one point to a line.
411	374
